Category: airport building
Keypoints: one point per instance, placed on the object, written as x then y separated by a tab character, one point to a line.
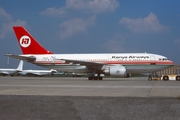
170	71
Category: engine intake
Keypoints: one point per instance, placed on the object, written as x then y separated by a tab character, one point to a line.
116	71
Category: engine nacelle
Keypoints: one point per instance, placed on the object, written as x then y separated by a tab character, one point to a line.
115	71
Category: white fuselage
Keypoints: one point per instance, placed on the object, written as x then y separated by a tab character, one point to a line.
133	62
36	72
8	71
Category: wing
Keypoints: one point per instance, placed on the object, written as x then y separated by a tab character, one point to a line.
25	58
90	65
82	62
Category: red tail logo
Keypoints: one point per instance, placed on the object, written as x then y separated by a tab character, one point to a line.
27	43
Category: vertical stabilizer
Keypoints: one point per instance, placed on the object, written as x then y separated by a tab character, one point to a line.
20	66
28	43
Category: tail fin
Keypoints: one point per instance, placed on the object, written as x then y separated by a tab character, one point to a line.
20	66
27	43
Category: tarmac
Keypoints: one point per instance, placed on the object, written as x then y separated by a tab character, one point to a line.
67	98
77	86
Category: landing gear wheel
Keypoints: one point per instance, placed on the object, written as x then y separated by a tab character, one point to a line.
178	78
90	78
95	78
165	78
150	79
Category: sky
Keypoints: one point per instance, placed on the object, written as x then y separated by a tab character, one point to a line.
92	26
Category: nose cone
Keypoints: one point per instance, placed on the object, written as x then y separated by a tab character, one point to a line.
171	63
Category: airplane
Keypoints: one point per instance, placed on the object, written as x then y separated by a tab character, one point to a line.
112	64
37	72
11	72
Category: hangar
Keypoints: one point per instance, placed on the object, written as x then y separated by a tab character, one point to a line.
170	71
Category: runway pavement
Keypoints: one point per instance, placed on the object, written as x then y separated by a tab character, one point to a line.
45	98
80	86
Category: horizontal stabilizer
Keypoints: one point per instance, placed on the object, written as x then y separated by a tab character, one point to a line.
25	58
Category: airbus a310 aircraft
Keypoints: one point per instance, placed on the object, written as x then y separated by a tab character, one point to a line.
112	64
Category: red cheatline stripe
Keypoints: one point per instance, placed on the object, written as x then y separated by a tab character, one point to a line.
112	62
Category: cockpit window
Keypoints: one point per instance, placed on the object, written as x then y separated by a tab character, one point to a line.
163	59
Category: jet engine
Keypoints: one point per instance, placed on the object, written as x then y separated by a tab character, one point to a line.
115	71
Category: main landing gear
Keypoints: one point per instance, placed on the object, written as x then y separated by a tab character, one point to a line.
95	78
